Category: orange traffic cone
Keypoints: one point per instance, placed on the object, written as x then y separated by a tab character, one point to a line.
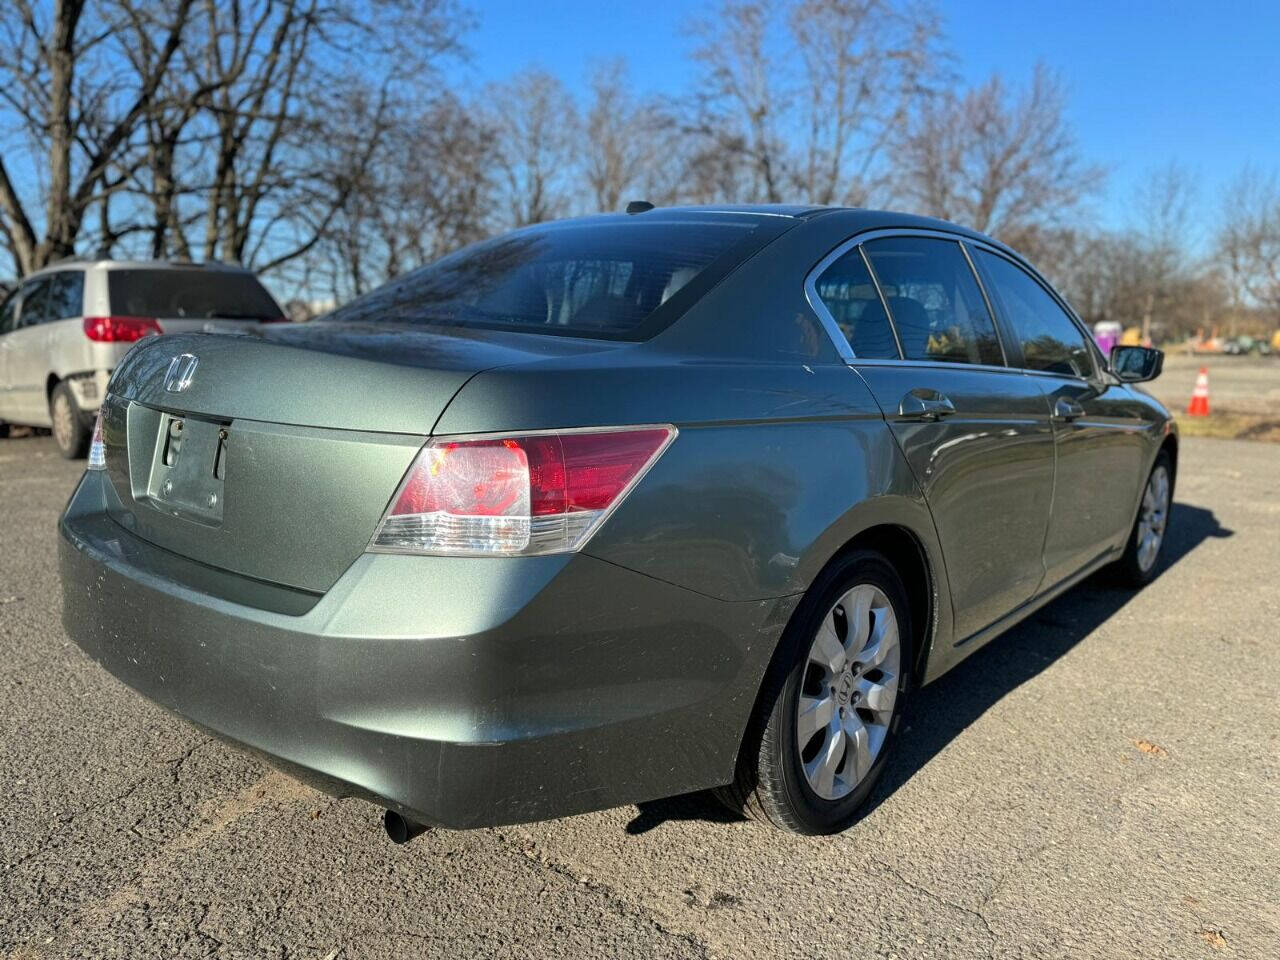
1199	405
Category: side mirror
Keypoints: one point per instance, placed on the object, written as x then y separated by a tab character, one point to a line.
1136	364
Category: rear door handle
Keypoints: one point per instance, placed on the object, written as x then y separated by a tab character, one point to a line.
1067	410
925	404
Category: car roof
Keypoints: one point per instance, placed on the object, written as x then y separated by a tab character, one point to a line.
107	264
798	211
859	218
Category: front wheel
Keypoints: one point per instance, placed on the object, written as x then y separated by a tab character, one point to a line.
70	432
1137	567
831	703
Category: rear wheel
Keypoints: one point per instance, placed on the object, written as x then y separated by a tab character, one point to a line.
70	432
1142	553
831	703
4	431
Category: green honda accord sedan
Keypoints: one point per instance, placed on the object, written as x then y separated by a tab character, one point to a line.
611	509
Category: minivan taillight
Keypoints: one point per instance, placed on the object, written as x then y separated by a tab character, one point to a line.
516	495
120	329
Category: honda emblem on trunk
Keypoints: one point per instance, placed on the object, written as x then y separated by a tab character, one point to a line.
181	369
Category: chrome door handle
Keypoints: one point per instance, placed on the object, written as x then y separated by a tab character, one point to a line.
925	404
1067	410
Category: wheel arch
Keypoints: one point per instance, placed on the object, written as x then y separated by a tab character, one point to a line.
907	554
1170	446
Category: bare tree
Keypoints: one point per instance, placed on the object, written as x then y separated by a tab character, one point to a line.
78	112
628	145
804	95
867	65
536	124
1249	240
741	102
1002	162
426	192
1162	205
234	114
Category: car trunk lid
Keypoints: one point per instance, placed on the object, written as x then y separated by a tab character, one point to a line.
274	456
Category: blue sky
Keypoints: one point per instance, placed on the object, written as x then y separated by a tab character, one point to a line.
1196	83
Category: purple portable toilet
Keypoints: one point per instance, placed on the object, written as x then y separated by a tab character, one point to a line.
1107	334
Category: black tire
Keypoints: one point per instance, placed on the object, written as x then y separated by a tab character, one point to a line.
4	431
1129	570
770	784
73	433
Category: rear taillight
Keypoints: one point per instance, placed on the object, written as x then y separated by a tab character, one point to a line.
516	495
97	449
120	329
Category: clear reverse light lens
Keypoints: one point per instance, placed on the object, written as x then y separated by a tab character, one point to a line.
517	495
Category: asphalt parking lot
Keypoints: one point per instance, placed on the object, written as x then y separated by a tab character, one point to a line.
1104	781
1242	385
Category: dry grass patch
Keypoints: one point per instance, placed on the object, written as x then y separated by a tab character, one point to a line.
1231	426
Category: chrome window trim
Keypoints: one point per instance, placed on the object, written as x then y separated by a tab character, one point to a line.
838	339
941	365
857	240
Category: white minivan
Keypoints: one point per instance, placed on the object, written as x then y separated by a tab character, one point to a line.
64	329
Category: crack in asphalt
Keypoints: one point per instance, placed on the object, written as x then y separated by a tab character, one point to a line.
1021	859
942	901
271	785
536	853
49	842
46	843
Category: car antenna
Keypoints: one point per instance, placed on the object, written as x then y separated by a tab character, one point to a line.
639	206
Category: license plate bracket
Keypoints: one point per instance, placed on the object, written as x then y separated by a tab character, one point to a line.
188	468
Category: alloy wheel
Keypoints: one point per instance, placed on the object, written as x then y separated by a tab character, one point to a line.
1153	517
848	691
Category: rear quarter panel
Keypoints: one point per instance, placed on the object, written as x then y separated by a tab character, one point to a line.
777	466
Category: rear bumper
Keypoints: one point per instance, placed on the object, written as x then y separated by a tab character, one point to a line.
463	692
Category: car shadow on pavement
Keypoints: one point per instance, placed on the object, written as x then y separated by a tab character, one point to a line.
956	700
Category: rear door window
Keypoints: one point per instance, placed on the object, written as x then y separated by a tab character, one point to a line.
177	293
66	295
849	294
35	301
934	298
1050	339
9	313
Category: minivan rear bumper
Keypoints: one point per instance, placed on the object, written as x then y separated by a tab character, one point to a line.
89	389
462	692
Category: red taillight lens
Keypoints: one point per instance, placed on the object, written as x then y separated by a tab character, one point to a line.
120	329
524	494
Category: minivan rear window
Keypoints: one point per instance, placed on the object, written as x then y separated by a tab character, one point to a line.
611	278
225	294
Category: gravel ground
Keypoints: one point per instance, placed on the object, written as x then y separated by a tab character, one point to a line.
1104	781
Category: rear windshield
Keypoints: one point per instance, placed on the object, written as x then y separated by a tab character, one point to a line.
190	293
608	279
